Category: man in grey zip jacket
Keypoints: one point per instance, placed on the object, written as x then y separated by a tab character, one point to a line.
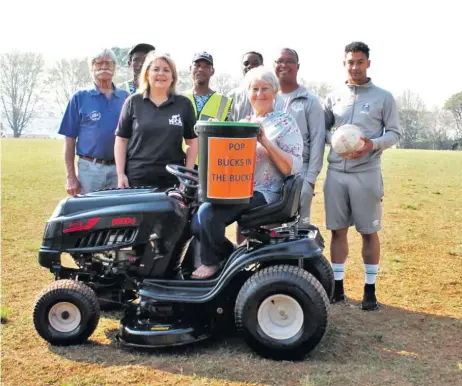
241	107
295	100
353	189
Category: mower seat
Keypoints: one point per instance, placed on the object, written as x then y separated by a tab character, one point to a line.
282	211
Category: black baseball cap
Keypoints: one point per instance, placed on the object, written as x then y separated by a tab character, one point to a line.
141	47
203	56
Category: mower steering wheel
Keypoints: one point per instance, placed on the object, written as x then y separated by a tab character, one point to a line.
190	180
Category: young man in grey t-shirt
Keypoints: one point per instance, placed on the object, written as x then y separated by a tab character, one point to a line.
353	189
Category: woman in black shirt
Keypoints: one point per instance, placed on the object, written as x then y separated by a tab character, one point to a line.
152	125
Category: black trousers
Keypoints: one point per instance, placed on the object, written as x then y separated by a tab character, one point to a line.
209	226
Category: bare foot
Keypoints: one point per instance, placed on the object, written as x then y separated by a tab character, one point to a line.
205	271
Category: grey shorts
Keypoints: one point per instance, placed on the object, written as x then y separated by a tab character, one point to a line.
354	199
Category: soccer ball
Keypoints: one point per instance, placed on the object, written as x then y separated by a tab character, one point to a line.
347	139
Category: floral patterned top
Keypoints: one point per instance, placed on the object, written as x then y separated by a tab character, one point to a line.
282	130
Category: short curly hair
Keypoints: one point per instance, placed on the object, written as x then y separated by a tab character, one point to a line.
260	56
357	47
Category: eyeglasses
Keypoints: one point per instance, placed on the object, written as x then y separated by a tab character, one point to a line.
285	61
100	63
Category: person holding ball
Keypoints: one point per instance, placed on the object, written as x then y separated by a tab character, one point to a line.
353	188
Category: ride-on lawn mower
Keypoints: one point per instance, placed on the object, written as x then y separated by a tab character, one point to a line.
133	247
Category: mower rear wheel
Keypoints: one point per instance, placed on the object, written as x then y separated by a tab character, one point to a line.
66	313
321	269
282	311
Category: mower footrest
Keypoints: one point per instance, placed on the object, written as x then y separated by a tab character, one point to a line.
162	292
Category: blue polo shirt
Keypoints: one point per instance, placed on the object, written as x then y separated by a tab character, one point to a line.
92	118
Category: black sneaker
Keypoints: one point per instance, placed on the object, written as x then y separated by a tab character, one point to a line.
369	302
339	292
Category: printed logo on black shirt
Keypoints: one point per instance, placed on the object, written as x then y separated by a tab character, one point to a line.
175	120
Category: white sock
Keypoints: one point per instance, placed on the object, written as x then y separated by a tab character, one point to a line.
370	271
339	270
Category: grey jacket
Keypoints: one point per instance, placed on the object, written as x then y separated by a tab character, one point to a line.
240	106
308	112
372	109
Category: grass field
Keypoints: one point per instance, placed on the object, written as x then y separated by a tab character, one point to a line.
415	339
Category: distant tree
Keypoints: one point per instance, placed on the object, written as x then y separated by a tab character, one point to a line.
121	55
184	81
223	83
66	77
20	75
2	131
438	125
454	105
320	89
412	117
122	73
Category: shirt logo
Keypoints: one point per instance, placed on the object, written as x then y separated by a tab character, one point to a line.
366	108
175	120
297	106
95	115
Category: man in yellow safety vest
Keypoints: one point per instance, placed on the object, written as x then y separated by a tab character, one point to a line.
207	103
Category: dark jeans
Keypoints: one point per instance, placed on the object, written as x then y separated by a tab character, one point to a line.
209	226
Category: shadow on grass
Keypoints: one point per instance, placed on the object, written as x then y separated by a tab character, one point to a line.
391	346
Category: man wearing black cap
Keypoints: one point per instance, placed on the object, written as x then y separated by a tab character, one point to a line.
207	103
136	57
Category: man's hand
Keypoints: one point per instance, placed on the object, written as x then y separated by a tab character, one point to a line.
368	146
122	181
72	185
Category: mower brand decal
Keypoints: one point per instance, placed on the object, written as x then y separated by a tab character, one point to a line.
81	226
160	328
124	221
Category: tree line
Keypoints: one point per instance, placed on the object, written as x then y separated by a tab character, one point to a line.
28	90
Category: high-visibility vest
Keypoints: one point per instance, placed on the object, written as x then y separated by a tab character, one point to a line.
127	86
217	107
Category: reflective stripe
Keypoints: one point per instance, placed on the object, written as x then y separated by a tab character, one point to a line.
221	109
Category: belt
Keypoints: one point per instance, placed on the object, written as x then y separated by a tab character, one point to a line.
98	161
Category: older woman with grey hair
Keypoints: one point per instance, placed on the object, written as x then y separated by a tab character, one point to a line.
89	124
279	154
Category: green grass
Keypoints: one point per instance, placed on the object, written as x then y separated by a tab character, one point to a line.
415	339
5	313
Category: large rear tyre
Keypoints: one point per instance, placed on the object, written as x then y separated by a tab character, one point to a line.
321	269
66	313
282	311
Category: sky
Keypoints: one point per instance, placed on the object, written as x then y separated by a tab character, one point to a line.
413	46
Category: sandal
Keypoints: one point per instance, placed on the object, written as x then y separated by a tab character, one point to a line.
205	272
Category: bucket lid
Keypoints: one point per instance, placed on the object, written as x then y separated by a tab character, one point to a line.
202	126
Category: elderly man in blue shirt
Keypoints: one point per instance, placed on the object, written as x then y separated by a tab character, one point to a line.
89	125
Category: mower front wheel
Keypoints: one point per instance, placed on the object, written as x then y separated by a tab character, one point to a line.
282	311
66	313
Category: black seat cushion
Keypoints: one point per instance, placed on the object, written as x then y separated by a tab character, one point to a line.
277	212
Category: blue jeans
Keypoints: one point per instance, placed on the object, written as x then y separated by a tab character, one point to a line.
93	176
209	226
